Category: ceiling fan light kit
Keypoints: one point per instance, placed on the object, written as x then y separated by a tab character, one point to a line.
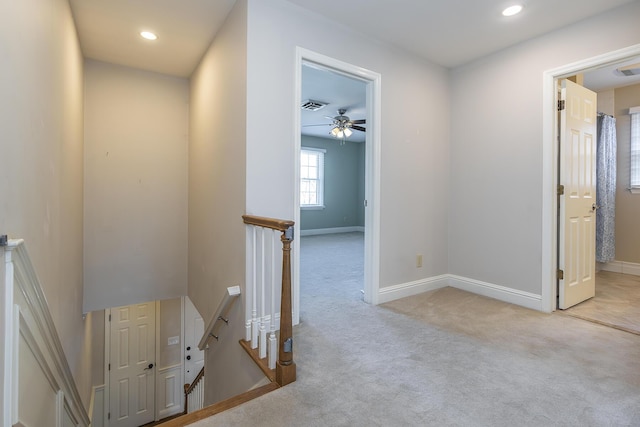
342	126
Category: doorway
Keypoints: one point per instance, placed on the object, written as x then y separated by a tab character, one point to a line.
144	353
371	82
551	243
332	158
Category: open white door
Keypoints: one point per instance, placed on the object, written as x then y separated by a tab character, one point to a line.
193	332
132	366
577	220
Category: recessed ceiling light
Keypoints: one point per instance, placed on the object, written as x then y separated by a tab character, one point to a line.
148	35
512	10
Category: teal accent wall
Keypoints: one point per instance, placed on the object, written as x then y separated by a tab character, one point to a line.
343	185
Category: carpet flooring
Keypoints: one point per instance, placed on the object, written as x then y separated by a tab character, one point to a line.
442	358
616	304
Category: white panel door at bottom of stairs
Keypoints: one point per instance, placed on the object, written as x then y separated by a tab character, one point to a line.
578	204
132	373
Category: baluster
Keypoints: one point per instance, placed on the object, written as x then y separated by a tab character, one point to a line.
254	297
286	368
262	348
273	345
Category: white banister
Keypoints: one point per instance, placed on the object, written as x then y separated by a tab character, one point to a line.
33	355
212	327
264	268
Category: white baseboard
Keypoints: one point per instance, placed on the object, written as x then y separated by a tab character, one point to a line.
501	293
403	290
335	230
622	267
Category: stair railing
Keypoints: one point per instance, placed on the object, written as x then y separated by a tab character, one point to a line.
194	393
265	285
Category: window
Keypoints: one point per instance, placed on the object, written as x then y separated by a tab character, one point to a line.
312	178
635	150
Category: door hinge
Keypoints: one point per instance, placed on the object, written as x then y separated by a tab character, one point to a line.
109	318
560	274
109	366
560	190
109	416
561	105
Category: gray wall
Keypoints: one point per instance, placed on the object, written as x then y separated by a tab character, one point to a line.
627	204
135	182
496	170
217	189
343	185
41	125
414	152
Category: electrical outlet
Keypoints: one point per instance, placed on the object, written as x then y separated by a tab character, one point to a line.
173	340
418	260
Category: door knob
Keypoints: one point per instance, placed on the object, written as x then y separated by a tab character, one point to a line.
594	207
149	367
188	357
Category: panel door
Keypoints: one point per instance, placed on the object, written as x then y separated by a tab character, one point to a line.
577	206
193	331
132	370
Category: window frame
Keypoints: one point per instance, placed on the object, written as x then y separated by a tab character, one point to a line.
320	154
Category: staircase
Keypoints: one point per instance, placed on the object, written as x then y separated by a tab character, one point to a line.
263	329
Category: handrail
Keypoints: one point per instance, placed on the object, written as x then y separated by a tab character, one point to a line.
231	295
272	223
188	388
27	315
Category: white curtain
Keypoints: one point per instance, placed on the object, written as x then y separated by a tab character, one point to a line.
606	189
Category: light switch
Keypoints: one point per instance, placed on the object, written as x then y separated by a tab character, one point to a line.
173	340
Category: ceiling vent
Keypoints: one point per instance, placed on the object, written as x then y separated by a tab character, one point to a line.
629	70
311	105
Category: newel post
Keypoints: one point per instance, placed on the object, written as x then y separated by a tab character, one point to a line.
285	366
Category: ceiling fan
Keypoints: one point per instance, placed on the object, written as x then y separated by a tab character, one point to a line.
342	125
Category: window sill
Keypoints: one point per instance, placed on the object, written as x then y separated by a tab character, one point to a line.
312	208
635	190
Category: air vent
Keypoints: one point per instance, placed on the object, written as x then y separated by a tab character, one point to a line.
311	105
629	70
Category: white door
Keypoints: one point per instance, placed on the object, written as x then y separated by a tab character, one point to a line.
193	331
577	206
132	365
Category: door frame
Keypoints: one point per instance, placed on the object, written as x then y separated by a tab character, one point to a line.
550	163
372	171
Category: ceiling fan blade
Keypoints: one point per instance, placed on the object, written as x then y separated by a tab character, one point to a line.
360	128
359	122
322	124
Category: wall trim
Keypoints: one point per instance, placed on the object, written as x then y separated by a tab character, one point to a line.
28	318
334	230
97	405
623	267
403	290
500	293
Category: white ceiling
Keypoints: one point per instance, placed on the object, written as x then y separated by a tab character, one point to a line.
447	32
339	92
109	31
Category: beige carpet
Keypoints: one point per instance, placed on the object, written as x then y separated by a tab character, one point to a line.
443	358
616	304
